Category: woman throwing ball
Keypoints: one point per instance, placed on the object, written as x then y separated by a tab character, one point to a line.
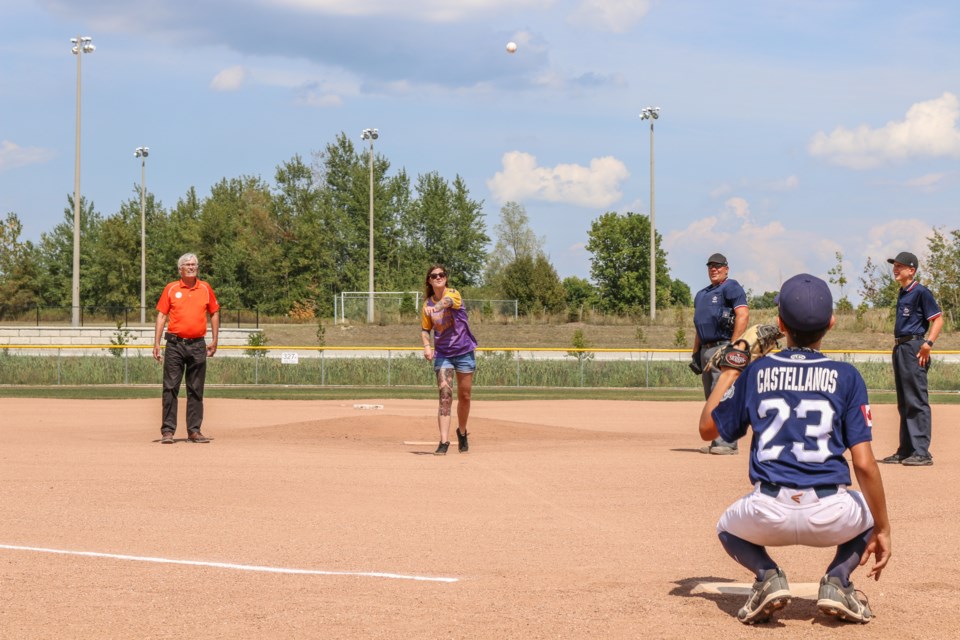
452	351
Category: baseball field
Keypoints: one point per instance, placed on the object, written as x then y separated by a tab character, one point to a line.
325	519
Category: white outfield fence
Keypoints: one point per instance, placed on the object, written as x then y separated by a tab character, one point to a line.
351	306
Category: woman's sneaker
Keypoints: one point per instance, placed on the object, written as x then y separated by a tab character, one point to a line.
462	445
768	595
442	449
843	602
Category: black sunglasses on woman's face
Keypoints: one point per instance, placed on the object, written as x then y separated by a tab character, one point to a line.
437	276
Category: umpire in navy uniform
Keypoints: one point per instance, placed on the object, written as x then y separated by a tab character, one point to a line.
720	314
917	311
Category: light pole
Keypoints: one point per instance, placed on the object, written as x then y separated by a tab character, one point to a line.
651	114
371	135
81	45
142	153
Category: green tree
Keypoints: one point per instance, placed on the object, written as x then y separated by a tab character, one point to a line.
447	226
55	257
515	239
680	294
534	283
943	273
877	286
767	300
19	282
620	265
579	292
839	278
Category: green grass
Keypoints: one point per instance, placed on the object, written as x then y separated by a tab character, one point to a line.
500	375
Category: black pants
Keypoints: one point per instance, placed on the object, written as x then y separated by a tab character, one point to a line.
709	379
177	357
913	401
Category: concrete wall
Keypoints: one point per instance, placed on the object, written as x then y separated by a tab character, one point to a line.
73	340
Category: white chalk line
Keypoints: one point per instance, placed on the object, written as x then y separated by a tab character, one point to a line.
228	565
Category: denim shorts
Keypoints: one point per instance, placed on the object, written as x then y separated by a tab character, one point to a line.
464	363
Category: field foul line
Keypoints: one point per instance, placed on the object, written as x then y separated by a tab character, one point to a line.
227	565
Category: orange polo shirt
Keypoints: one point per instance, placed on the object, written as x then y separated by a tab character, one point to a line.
187	307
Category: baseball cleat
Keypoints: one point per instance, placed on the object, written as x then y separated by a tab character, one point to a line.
442	449
917	461
723	451
894	459
462	445
767	596
841	602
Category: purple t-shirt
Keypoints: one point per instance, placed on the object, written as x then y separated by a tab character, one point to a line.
451	333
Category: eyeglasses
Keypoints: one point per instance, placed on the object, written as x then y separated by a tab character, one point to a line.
715	265
189	266
437	276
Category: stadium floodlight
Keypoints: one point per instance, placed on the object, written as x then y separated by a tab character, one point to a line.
81	45
371	135
142	153
651	114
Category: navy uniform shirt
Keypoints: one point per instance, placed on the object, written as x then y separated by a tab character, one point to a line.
709	306
805	410
915	309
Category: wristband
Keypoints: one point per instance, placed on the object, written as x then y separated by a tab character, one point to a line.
930	342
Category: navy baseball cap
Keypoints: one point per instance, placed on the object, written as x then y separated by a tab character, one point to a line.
805	303
905	257
719	258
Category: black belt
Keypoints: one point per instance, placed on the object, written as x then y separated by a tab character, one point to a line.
898	341
773	490
174	338
711	345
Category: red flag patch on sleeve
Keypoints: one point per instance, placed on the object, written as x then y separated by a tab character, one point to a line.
867	416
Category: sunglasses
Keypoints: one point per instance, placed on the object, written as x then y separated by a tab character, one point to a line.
437	276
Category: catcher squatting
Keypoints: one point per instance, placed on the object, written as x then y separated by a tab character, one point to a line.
805	412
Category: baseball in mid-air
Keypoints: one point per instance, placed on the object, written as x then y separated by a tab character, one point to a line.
511	47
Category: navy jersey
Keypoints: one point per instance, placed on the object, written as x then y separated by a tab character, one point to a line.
916	307
805	411
710	305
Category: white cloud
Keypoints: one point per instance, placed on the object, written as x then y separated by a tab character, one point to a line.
13	155
890	238
320	99
230	79
761	255
786	184
595	186
617	16
739	207
430	10
927	183
928	130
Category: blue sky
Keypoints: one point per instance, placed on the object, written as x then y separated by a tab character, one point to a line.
789	130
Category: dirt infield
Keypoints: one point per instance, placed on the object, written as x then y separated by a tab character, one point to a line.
313	519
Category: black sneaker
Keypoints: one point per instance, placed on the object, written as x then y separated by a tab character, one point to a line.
917	461
442	449
894	459
462	445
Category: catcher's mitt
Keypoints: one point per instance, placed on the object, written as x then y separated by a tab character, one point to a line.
756	342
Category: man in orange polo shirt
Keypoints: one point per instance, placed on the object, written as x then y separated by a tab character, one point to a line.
186	302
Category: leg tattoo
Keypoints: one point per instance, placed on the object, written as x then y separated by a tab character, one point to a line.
445	382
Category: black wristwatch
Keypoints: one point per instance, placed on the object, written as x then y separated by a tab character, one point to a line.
930	342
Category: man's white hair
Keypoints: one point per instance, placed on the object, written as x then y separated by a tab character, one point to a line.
185	257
